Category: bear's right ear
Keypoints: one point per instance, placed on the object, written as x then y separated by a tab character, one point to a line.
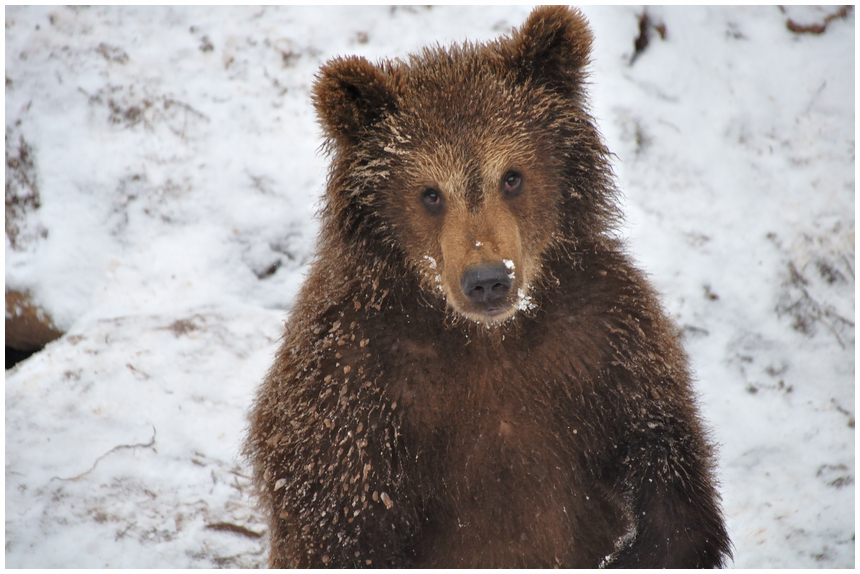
550	49
350	96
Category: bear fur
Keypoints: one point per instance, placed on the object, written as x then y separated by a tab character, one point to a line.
474	373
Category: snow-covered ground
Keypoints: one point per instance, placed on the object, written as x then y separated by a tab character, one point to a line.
175	156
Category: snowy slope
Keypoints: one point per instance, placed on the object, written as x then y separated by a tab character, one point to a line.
175	156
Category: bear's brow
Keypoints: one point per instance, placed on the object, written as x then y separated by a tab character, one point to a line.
473	194
451	161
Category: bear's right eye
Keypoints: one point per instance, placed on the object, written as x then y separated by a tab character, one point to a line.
432	200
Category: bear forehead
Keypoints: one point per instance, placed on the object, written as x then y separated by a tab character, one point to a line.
458	125
450	90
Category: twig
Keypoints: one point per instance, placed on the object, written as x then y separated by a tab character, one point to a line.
235	528
116	448
816	28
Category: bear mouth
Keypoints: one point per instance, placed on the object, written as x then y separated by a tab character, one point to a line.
493	315
495	311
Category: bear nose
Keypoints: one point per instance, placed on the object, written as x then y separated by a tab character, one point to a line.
486	283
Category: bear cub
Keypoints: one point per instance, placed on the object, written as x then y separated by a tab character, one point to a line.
474	373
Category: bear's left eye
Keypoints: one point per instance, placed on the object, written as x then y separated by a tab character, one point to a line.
512	183
432	200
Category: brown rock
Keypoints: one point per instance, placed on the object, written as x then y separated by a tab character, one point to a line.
28	327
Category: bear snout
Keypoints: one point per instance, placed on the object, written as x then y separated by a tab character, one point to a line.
487	285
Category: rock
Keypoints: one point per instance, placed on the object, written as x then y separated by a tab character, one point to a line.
28	328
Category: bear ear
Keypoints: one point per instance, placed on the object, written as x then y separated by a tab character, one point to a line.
550	49
350	96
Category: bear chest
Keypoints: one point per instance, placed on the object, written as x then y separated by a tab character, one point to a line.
500	479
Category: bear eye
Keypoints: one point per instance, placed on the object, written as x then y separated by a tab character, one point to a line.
512	183
431	199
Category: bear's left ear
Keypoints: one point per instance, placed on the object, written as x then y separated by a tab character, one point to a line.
350	96
550	49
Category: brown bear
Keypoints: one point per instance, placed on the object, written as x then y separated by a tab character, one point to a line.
474	374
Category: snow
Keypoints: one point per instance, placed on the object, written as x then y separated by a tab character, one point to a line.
176	159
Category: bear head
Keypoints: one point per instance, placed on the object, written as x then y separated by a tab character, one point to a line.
473	167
